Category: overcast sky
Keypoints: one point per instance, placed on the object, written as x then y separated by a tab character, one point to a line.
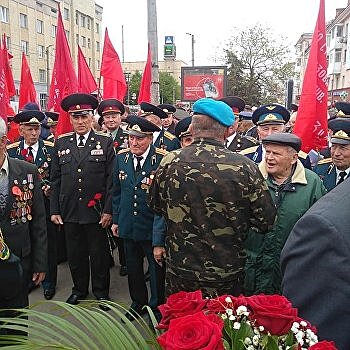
211	22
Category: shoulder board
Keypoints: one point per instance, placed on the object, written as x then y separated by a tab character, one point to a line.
325	161
252	139
66	134
48	143
161	151
123	150
169	135
13	145
101	133
302	154
249	150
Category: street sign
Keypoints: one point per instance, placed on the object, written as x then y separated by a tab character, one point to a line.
169	40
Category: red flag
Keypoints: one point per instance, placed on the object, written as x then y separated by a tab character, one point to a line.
114	85
86	80
3	89
8	72
145	87
311	123
27	91
64	80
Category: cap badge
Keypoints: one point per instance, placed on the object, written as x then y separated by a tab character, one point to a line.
270	108
270	117
77	106
136	128
341	134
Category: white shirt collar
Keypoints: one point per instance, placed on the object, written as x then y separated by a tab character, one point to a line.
230	139
340	171
35	147
85	137
144	156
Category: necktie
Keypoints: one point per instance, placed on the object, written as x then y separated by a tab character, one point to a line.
138	165
342	176
30	153
3	190
226	143
81	141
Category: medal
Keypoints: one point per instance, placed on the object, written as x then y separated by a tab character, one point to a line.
29	217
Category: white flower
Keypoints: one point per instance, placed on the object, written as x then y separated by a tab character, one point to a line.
236	325
261	328
223	316
232	318
247	341
255	340
229	312
303	323
250	347
228	300
256	331
242	310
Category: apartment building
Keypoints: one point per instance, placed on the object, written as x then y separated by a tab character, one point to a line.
30	27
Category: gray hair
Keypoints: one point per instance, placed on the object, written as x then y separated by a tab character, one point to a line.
205	126
3	127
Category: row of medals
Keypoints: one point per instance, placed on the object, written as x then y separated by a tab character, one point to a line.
23	204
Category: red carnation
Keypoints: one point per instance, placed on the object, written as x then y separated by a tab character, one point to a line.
97	196
116	144
323	345
91	203
24	152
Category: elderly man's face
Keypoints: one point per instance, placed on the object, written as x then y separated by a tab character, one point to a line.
341	156
138	145
268	129
279	160
167	121
82	123
30	133
112	120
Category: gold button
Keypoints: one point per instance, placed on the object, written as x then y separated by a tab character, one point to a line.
79	189
135	197
135	204
135	188
79	170
135	213
79	180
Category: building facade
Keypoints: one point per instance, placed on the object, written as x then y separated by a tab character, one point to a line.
30	27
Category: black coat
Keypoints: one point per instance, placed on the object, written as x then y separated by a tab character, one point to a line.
78	174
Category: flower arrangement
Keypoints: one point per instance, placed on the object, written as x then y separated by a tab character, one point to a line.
262	322
96	204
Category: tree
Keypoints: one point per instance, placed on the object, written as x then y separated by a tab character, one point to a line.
169	88
258	65
134	86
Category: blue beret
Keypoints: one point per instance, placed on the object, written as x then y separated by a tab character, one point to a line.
217	110
270	114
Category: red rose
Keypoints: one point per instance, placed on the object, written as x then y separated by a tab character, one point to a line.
274	312
97	196
323	345
193	332
24	152
180	304
116	144
91	203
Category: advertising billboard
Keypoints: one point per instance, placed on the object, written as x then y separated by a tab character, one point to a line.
203	81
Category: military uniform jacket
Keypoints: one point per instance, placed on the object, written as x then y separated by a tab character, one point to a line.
23	219
120	140
327	172
242	142
167	141
78	174
255	154
209	197
130	210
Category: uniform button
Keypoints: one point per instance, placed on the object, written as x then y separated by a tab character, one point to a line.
79	180
135	204
135	213
135	197
80	198
79	170
135	188
79	189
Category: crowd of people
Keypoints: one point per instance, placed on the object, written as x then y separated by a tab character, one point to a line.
222	200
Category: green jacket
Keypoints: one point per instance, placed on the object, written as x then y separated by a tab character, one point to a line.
262	270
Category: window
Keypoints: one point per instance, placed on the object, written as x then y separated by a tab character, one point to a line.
97	28
39	26
67	34
77	18
42	75
89	43
24	46
77	39
66	14
8	43
97	64
89	60
23	20
42	100
339	31
97	46
83	41
88	22
337	57
41	51
53	30
4	14
82	21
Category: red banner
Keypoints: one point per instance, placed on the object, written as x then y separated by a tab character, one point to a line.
311	123
86	80
27	91
145	87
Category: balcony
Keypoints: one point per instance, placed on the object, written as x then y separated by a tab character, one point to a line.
334	68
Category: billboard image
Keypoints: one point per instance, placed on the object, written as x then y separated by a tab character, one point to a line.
205	81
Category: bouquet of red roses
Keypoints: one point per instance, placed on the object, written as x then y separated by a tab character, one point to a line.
262	322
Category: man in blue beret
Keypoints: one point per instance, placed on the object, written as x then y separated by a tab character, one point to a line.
336	169
270	119
209	197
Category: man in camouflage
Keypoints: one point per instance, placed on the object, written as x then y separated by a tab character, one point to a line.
209	197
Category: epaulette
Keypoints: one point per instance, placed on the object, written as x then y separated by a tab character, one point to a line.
252	139
249	150
123	150
48	143
13	145
324	161
302	154
101	133
66	134
169	135
161	151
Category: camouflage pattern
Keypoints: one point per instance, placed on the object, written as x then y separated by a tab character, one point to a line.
209	197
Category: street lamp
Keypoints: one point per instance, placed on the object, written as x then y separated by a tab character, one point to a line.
47	73
192	42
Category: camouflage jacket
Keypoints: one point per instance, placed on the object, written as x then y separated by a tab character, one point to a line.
209	197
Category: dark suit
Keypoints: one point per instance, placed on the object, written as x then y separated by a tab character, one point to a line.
77	175
24	232
137	224
315	263
43	163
